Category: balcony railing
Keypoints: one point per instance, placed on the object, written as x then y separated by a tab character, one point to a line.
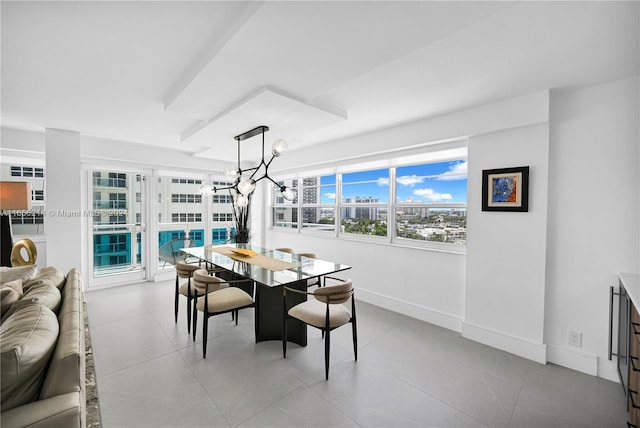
110	182
110	204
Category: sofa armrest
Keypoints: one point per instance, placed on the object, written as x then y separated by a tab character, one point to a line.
59	411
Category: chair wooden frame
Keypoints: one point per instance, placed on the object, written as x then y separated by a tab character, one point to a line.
207	314
331	299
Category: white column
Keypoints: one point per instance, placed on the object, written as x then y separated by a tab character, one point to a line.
63	222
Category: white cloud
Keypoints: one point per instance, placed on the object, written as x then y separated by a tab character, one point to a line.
383	181
330	195
432	195
456	172
410	180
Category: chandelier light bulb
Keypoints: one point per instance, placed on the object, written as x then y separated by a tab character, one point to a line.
207	189
232	172
279	147
288	193
242	200
247	186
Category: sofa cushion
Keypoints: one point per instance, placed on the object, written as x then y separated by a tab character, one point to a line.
10	293
44	294
27	340
25	273
47	275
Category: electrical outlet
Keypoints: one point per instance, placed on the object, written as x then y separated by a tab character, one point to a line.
575	338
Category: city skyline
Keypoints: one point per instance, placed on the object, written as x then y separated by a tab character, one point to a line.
442	182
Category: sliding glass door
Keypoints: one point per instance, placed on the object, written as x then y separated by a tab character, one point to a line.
116	227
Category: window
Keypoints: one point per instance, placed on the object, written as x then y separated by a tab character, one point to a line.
428	203
185	217
365	202
29	222
186	198
219	235
117	200
185	181
37	195
117	219
285	213
222	217
117	179
27	217
27	171
222	199
431	202
318	203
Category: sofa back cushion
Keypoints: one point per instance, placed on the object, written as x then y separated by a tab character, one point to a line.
10	292
25	273
66	371
50	275
44	294
27	340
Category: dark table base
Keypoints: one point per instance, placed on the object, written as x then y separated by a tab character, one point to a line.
269	314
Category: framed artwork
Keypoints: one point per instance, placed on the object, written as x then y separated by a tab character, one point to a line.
505	189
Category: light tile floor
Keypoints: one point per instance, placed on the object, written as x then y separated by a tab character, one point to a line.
409	374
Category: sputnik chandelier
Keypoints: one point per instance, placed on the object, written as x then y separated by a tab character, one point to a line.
245	186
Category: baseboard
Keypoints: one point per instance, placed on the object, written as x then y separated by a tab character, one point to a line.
515	345
608	369
573	358
412	310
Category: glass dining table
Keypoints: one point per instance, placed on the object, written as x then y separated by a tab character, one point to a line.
269	270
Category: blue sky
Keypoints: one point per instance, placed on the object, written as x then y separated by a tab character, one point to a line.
435	182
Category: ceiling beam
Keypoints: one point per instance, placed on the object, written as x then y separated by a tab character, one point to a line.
202	61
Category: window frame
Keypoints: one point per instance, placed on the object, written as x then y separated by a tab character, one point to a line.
391	206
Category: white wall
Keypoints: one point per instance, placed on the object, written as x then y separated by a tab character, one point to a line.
593	216
425	284
582	228
505	279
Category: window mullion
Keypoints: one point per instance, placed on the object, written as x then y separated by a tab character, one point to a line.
338	205
391	213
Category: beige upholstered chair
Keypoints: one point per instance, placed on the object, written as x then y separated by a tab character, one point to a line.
310	255
314	281
171	253
285	250
325	311
219	298
185	270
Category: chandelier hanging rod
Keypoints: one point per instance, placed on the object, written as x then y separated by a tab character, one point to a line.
244	187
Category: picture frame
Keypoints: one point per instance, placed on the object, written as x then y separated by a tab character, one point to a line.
505	189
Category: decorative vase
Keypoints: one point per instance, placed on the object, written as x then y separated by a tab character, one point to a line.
242	236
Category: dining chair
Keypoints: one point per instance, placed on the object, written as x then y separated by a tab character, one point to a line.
314	281
220	296
310	255
285	250
325	311
188	290
171	253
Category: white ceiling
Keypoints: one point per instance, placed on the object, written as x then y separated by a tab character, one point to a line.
192	75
